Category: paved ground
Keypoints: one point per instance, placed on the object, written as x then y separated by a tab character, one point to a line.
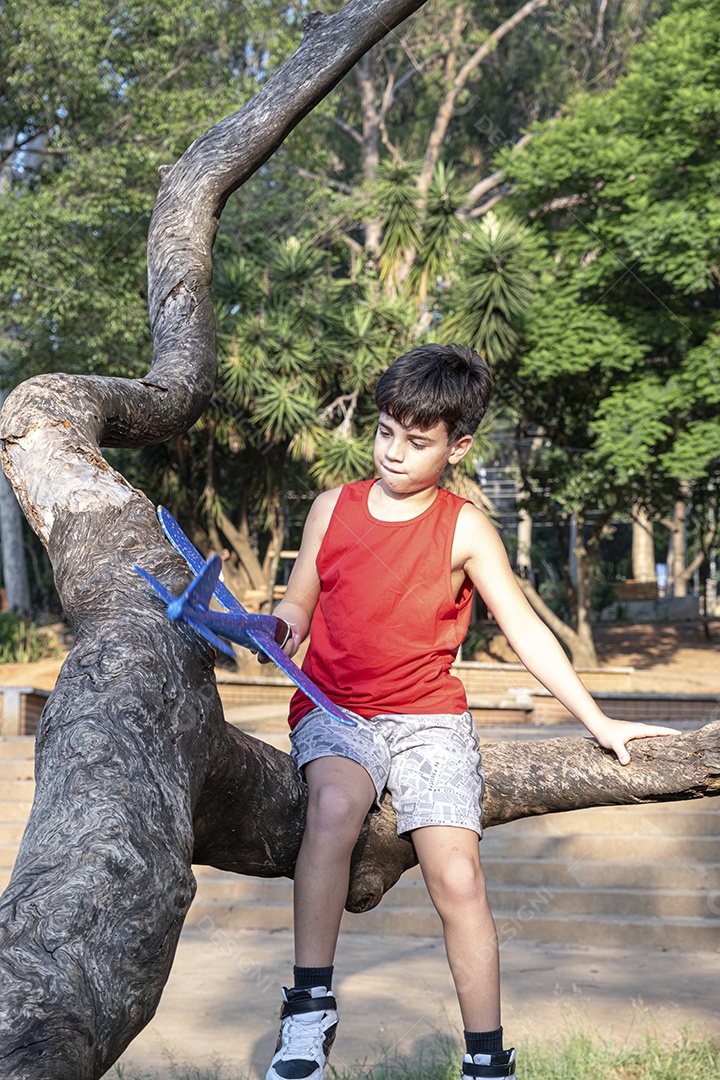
667	657
221	1001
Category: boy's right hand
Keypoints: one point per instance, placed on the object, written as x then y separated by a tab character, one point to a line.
283	634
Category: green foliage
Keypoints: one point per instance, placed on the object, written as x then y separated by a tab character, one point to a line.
396	196
626	190
306	318
103	96
495	288
609	365
22	641
442	232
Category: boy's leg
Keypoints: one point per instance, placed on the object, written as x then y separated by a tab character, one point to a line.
450	862
340	794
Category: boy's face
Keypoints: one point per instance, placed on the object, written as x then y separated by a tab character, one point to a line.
410	460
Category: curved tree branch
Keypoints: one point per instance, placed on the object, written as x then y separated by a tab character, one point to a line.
90	920
457	82
253	783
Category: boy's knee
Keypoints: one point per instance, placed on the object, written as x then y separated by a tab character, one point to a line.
457	881
332	807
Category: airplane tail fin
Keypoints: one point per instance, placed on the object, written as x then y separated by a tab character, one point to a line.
194	602
199	592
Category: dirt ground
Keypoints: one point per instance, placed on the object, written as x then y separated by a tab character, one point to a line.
222	998
674	658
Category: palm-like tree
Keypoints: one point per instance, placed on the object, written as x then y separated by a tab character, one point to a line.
300	347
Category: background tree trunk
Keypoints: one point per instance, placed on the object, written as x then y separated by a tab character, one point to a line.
524	542
643	546
14	563
366	78
576	645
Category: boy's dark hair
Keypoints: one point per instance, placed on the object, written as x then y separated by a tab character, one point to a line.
435	383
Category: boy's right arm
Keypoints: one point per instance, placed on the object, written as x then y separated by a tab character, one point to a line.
303	588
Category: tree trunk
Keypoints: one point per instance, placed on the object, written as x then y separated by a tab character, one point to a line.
90	920
239	540
524	542
366	77
454	81
581	655
14	564
582	559
584	654
577	639
681	574
643	546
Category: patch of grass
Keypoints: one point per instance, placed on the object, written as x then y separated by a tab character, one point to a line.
585	1058
23	641
579	1057
182	1072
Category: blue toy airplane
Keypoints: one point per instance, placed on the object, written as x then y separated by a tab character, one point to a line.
237	624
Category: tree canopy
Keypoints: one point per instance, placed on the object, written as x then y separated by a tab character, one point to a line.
365	233
618	364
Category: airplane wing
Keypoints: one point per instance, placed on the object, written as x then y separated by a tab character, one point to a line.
222	594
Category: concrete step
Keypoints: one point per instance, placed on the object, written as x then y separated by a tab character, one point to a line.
8	854
608	847
589	874
532	925
619	917
696	817
556	899
17	790
17	747
11	832
13	811
610	902
16	769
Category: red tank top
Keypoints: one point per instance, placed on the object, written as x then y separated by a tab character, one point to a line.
387	626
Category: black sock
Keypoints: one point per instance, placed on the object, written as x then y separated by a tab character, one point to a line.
306	977
484	1042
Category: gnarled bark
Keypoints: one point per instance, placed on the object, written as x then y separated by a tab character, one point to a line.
136	771
91	917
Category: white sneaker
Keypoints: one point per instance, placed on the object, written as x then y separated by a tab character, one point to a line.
308	1022
489	1066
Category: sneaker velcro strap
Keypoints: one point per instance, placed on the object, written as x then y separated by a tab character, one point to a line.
307	1005
490	1072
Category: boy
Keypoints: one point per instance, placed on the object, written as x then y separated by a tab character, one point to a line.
385	573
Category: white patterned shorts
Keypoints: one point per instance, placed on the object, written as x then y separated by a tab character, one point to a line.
430	764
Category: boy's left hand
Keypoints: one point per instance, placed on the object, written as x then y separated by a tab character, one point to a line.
614	734
283	634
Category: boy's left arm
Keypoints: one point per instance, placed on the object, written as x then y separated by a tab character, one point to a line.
487	566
